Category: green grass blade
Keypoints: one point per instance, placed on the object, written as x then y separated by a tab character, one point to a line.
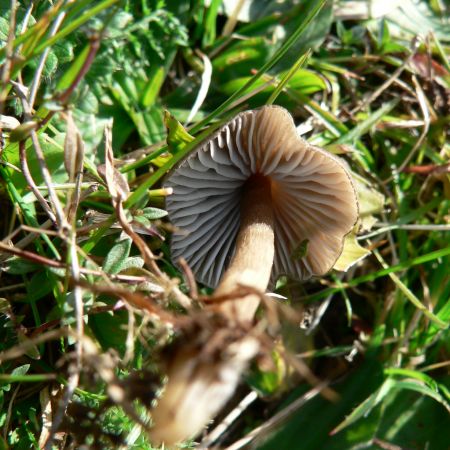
141	191
383	272
291	72
364	126
409	294
317	6
74	25
29	218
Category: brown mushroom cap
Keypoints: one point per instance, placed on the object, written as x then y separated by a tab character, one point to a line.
313	197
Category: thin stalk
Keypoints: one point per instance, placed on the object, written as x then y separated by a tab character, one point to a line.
9	52
29	178
72	26
37	75
252	262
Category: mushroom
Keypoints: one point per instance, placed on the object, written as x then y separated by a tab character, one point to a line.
253	202
256	201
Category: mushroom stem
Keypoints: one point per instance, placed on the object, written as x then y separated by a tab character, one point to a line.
252	262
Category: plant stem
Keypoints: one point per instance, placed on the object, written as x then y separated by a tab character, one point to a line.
252	262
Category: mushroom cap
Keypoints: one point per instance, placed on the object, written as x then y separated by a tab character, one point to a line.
314	201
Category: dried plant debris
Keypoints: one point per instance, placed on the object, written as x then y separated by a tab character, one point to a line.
203	368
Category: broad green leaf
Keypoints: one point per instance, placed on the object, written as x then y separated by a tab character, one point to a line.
303	81
39	286
240	58
306	81
54	157
288	76
142	220
110	329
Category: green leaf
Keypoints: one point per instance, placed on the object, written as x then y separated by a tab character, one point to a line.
39	286
414	18
141	191
72	72
306	81
153	213
240	58
54	157
74	24
420	376
23	131
116	257
21	370
444	315
409	294
370	201
19	266
210	22
351	253
142	220
132	262
110	329
384	34
300	251
151	91
313	10
177	136
268	382
422	389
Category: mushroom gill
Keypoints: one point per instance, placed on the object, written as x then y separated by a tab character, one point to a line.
314	202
